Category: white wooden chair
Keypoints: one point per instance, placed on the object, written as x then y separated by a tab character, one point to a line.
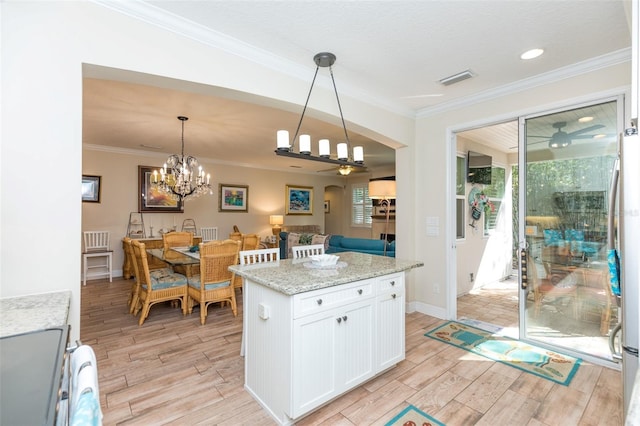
209	233
249	257
96	245
306	251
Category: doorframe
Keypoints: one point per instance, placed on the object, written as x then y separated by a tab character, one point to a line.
451	240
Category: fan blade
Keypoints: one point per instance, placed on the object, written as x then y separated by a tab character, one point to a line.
585	130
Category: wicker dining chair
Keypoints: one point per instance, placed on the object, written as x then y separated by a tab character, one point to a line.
178	239
215	282
161	287
135	286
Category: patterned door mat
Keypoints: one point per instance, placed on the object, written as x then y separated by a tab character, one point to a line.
542	362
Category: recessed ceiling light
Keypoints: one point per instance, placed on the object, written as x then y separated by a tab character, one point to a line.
599	136
530	54
585	119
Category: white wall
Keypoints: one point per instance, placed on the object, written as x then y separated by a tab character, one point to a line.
44	47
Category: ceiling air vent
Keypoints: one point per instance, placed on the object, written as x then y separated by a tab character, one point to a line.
452	79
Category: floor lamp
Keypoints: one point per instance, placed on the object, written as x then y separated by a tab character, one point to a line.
384	190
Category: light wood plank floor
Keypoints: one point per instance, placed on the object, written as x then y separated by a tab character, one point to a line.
174	371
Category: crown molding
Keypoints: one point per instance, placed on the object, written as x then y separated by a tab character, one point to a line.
574	70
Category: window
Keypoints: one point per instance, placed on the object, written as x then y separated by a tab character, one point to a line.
361	206
495	192
460	197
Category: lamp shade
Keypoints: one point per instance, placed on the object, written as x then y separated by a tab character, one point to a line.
276	219
382	189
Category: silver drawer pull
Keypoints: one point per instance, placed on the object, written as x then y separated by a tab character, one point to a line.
344	318
393	296
359	291
339	320
393	283
319	301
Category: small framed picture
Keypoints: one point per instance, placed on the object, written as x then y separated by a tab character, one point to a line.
151	199
327	206
299	200
233	198
90	189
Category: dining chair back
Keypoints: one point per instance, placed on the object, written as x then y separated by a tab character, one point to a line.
209	233
300	252
250	242
249	257
177	239
134	295
215	282
96	246
161	286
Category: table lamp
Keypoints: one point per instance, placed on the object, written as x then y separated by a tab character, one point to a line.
384	190
275	220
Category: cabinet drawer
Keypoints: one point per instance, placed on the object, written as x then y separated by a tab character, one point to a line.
391	283
321	300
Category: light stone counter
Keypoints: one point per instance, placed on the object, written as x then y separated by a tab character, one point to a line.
292	276
33	312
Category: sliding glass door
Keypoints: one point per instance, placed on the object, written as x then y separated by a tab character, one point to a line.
566	169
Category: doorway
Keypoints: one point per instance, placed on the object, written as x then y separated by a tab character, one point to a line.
486	284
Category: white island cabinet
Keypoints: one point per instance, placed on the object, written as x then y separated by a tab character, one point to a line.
313	334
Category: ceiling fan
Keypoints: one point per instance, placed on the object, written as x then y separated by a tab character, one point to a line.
561	139
345	170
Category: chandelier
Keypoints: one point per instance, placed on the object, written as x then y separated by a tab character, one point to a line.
345	157
179	178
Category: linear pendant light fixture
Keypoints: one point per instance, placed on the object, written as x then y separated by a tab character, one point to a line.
344	156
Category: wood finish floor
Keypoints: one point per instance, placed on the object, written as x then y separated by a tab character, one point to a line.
172	370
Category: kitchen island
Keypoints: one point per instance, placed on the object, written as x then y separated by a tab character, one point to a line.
313	333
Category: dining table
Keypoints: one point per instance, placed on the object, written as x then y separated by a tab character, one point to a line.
178	256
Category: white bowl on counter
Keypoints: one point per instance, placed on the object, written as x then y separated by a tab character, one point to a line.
324	259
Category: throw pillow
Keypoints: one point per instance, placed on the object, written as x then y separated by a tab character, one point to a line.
321	239
305	239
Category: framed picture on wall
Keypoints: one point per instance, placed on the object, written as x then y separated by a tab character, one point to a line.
327	206
299	200
150	198
233	198
90	189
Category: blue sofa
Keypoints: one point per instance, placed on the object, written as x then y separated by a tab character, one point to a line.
340	243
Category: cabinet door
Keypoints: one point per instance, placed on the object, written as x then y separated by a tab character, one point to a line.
355	352
314	371
390	327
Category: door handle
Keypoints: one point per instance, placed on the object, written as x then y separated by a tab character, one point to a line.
615	354
524	280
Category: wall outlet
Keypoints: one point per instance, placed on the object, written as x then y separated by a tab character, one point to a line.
471	278
436	288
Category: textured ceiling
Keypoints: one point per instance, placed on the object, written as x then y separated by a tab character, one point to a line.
391	53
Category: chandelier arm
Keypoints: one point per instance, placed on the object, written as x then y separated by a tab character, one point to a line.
305	106
344	126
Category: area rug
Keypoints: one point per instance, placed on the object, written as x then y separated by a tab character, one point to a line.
411	416
523	356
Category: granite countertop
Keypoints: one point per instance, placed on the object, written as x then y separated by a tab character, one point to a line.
293	276
23	314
